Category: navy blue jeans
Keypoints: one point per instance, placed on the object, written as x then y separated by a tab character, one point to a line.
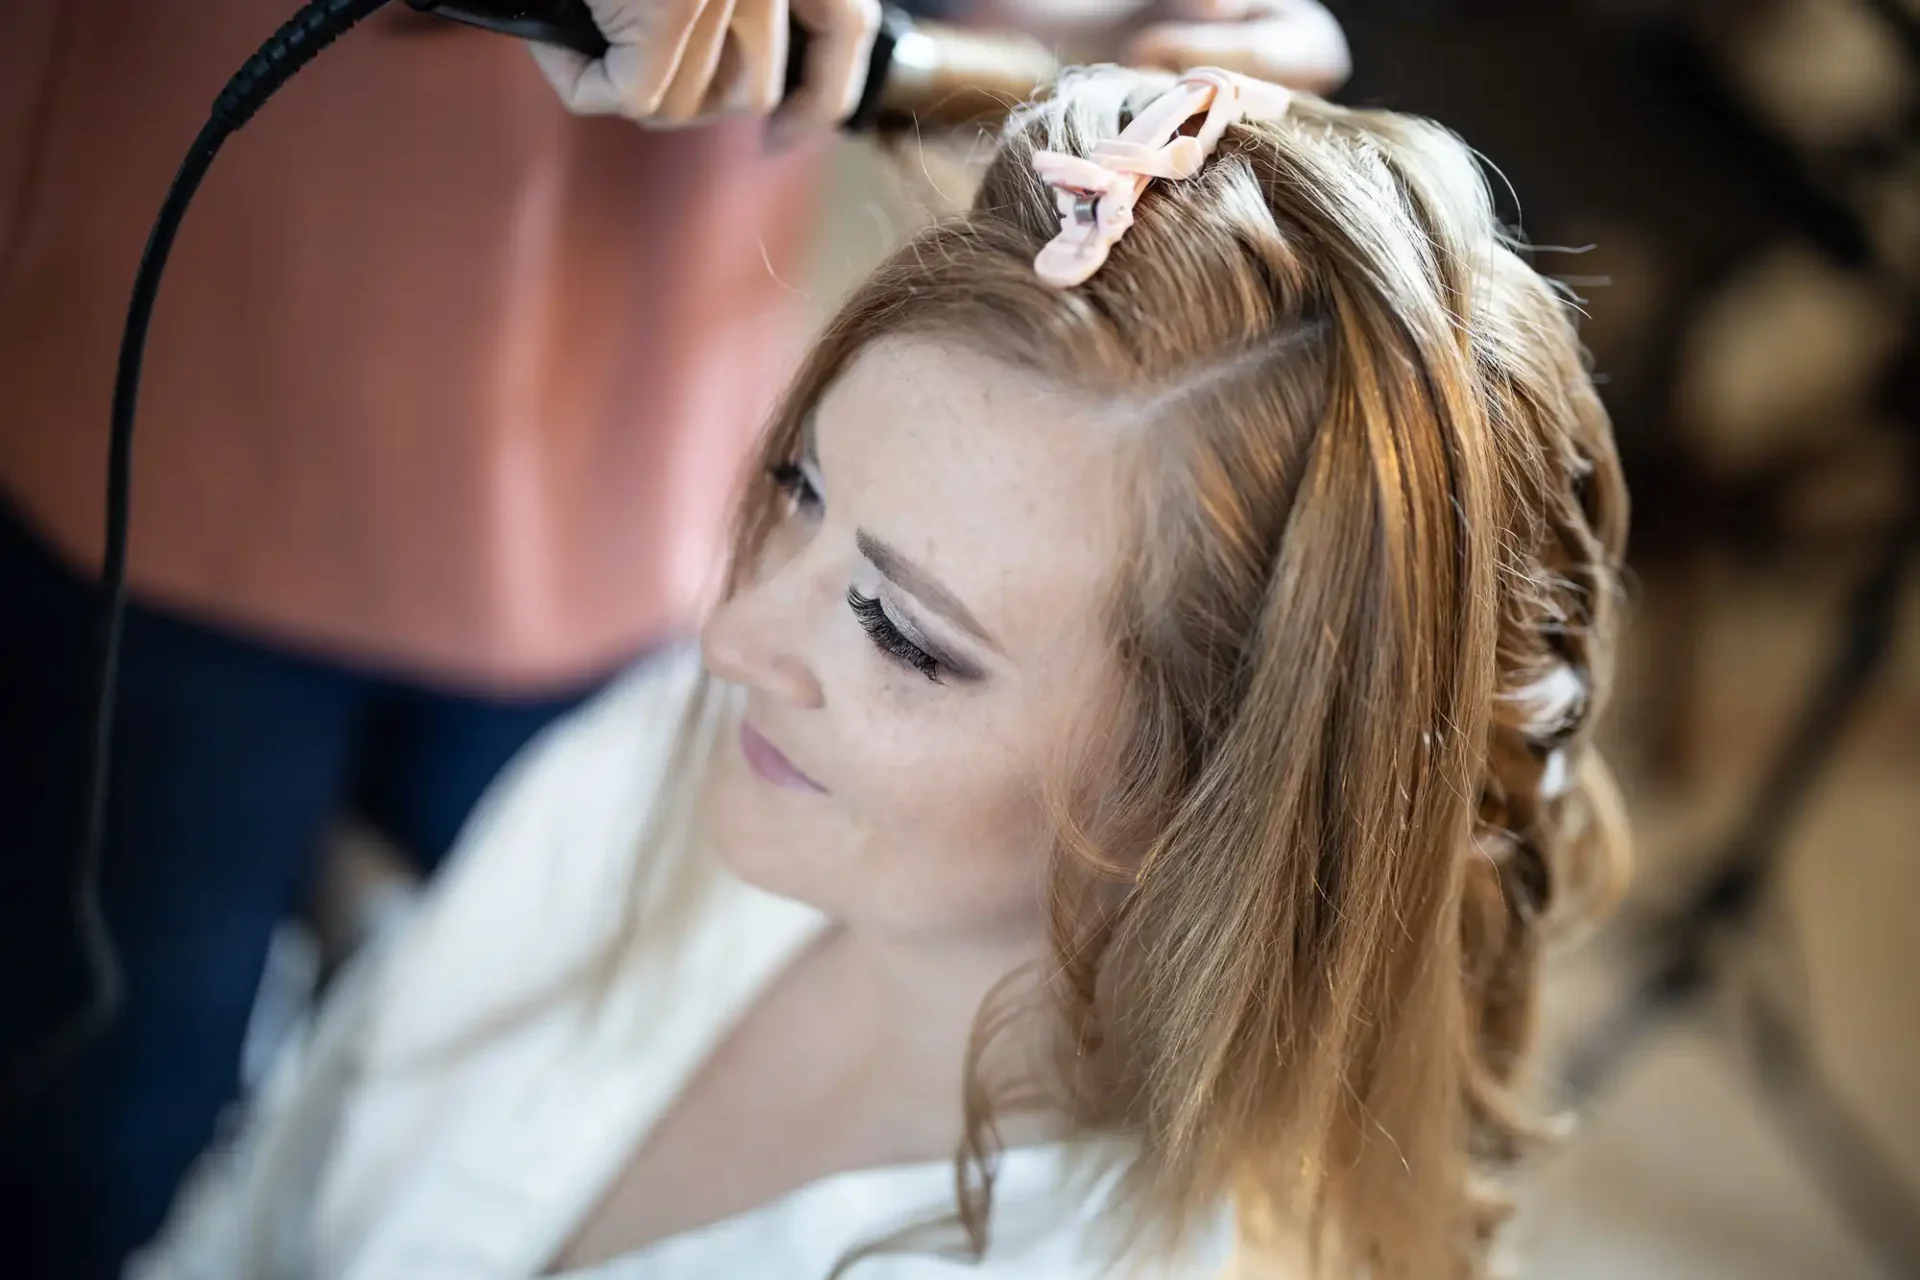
231	760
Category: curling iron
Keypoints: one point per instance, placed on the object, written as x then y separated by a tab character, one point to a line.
918	73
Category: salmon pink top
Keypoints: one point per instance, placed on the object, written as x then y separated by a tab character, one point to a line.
442	380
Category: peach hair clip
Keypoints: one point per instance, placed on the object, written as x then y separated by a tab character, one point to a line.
1096	194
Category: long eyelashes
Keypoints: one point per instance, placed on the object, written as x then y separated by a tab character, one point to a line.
887	638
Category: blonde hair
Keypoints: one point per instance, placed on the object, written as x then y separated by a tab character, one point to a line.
1364	629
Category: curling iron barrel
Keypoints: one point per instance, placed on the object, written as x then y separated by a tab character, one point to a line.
920	73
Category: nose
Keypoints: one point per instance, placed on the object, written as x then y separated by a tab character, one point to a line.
748	641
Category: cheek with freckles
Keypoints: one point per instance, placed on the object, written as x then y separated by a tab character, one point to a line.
953	830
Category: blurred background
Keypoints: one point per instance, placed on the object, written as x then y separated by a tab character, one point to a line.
1733	188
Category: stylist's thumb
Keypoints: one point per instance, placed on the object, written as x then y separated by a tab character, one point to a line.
646	41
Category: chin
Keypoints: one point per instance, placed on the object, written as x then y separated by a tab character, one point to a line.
755	833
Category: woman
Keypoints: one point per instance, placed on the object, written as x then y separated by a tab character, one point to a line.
1144	735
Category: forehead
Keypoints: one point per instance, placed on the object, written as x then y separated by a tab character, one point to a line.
1003	486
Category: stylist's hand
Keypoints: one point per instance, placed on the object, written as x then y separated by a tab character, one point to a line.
1296	43
676	62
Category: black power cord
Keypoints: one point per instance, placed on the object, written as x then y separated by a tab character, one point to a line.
298	42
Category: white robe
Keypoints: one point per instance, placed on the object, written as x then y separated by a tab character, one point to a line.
462	1101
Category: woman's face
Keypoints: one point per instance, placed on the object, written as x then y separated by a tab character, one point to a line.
921	645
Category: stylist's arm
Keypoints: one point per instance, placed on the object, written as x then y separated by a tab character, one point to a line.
675	62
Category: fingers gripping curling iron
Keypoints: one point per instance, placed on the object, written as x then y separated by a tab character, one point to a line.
919	72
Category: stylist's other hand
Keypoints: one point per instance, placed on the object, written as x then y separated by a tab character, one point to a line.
1296	43
680	62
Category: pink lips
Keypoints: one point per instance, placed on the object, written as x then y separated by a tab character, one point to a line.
765	759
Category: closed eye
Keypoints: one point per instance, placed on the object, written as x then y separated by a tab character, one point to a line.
888	638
